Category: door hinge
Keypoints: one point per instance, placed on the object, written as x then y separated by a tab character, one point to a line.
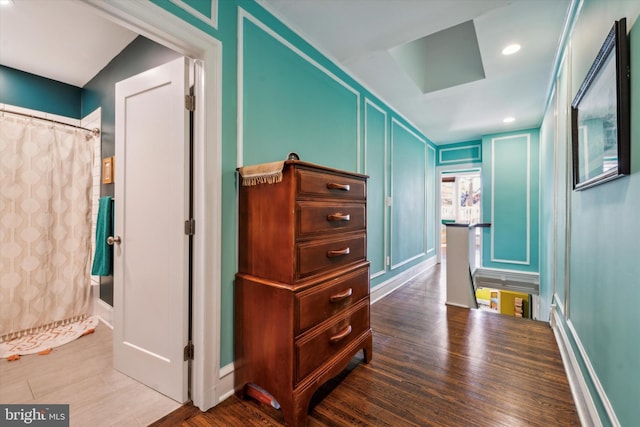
190	102
188	352
190	227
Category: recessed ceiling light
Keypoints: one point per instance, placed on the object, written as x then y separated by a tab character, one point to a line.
6	2
509	119
511	49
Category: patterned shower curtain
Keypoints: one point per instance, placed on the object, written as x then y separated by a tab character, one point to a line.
45	224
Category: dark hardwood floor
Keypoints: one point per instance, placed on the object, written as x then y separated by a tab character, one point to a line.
433	365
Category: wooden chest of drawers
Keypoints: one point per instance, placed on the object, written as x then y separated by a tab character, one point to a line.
302	288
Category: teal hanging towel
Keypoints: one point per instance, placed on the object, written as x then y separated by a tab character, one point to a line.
103	259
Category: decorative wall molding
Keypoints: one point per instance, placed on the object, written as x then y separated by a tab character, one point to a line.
396	282
394	121
385	231
212	20
613	419
435	202
407	261
559	303
527	260
584	402
476	158
243	16
296	29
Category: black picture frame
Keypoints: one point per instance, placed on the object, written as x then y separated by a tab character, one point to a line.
600	115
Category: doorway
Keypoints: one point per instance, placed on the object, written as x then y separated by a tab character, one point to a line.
460	202
207	384
152	22
152	248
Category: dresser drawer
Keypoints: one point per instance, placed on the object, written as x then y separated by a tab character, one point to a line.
319	255
315	183
317	304
316	348
319	217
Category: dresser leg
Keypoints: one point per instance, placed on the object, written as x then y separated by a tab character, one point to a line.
367	349
295	412
293	418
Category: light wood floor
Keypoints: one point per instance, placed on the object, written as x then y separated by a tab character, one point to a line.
80	374
433	365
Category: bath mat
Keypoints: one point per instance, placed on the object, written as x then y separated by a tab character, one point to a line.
43	342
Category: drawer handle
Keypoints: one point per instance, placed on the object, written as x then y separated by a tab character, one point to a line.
336	186
340	335
342	295
338	252
338	217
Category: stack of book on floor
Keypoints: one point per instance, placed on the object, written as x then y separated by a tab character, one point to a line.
511	303
517	306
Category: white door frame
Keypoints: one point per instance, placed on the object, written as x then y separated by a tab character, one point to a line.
156	24
439	172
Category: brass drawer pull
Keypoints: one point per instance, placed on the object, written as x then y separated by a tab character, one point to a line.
338	252
336	186
338	217
340	335
342	295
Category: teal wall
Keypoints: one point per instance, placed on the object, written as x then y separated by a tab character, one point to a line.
548	231
510	200
376	146
596	286
408	194
38	93
281	95
291	104
432	202
510	195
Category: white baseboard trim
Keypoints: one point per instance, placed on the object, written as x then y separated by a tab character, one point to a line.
396	282
584	402
226	384
613	418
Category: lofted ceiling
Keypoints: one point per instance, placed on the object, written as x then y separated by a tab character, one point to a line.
364	37
419	56
63	40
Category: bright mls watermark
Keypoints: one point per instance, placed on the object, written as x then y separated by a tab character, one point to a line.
34	415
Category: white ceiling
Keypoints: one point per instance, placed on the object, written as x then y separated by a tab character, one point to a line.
62	40
65	41
359	34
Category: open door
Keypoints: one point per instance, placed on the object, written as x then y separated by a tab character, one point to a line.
151	254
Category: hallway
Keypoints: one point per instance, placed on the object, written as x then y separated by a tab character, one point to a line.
433	365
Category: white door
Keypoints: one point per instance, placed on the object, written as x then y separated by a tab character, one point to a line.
151	206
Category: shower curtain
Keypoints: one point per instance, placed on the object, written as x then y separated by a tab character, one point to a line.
45	224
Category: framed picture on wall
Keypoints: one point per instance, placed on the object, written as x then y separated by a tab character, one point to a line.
600	115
